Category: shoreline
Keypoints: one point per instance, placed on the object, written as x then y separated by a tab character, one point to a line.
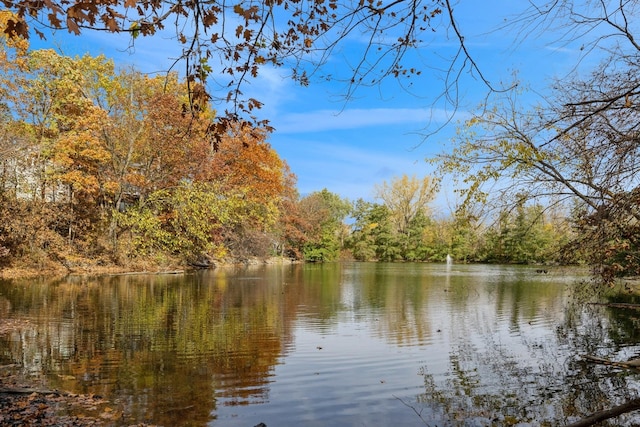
29	402
16	273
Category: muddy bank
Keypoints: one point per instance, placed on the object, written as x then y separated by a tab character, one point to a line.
28	402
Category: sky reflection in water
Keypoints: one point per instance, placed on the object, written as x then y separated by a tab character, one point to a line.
336	344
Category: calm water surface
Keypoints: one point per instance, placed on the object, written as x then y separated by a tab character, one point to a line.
353	344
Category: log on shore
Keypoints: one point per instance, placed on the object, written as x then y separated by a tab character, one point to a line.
24	390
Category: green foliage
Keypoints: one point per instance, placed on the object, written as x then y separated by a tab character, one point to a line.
141	232
414	247
325	212
395	229
324	251
183	222
372	237
465	237
524	235
195	212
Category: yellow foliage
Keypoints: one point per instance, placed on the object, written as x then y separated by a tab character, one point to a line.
406	197
19	43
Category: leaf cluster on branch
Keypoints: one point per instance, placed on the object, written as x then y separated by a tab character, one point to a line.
227	43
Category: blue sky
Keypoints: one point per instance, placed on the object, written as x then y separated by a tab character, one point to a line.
348	147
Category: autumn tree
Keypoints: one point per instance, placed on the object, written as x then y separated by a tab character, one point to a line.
152	143
184	222
325	212
25	226
121	168
100	137
13	53
89	138
243	162
407	198
48	98
292	230
244	158
173	146
45	100
53	124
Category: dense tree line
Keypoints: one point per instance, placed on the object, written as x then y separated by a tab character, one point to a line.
526	234
99	165
107	166
401	226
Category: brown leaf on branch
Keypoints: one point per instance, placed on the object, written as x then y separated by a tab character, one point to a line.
73	26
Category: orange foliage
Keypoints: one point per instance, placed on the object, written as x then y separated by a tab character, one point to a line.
244	160
293	226
174	146
79	153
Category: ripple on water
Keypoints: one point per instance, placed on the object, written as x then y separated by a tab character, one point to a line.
346	376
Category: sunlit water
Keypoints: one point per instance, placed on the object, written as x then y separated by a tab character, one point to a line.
352	344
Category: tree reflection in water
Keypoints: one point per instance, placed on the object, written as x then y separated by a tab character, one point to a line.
493	386
491	345
158	346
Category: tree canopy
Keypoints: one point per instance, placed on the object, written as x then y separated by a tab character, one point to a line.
230	42
222	45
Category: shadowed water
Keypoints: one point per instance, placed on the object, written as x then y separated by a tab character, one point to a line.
352	344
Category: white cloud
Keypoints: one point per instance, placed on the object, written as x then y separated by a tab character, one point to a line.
327	120
350	169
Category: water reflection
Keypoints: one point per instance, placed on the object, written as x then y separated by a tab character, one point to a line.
326	344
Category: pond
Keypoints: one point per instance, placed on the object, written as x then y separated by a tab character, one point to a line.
345	344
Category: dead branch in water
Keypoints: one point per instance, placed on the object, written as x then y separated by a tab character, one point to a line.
631	364
617	410
608	413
